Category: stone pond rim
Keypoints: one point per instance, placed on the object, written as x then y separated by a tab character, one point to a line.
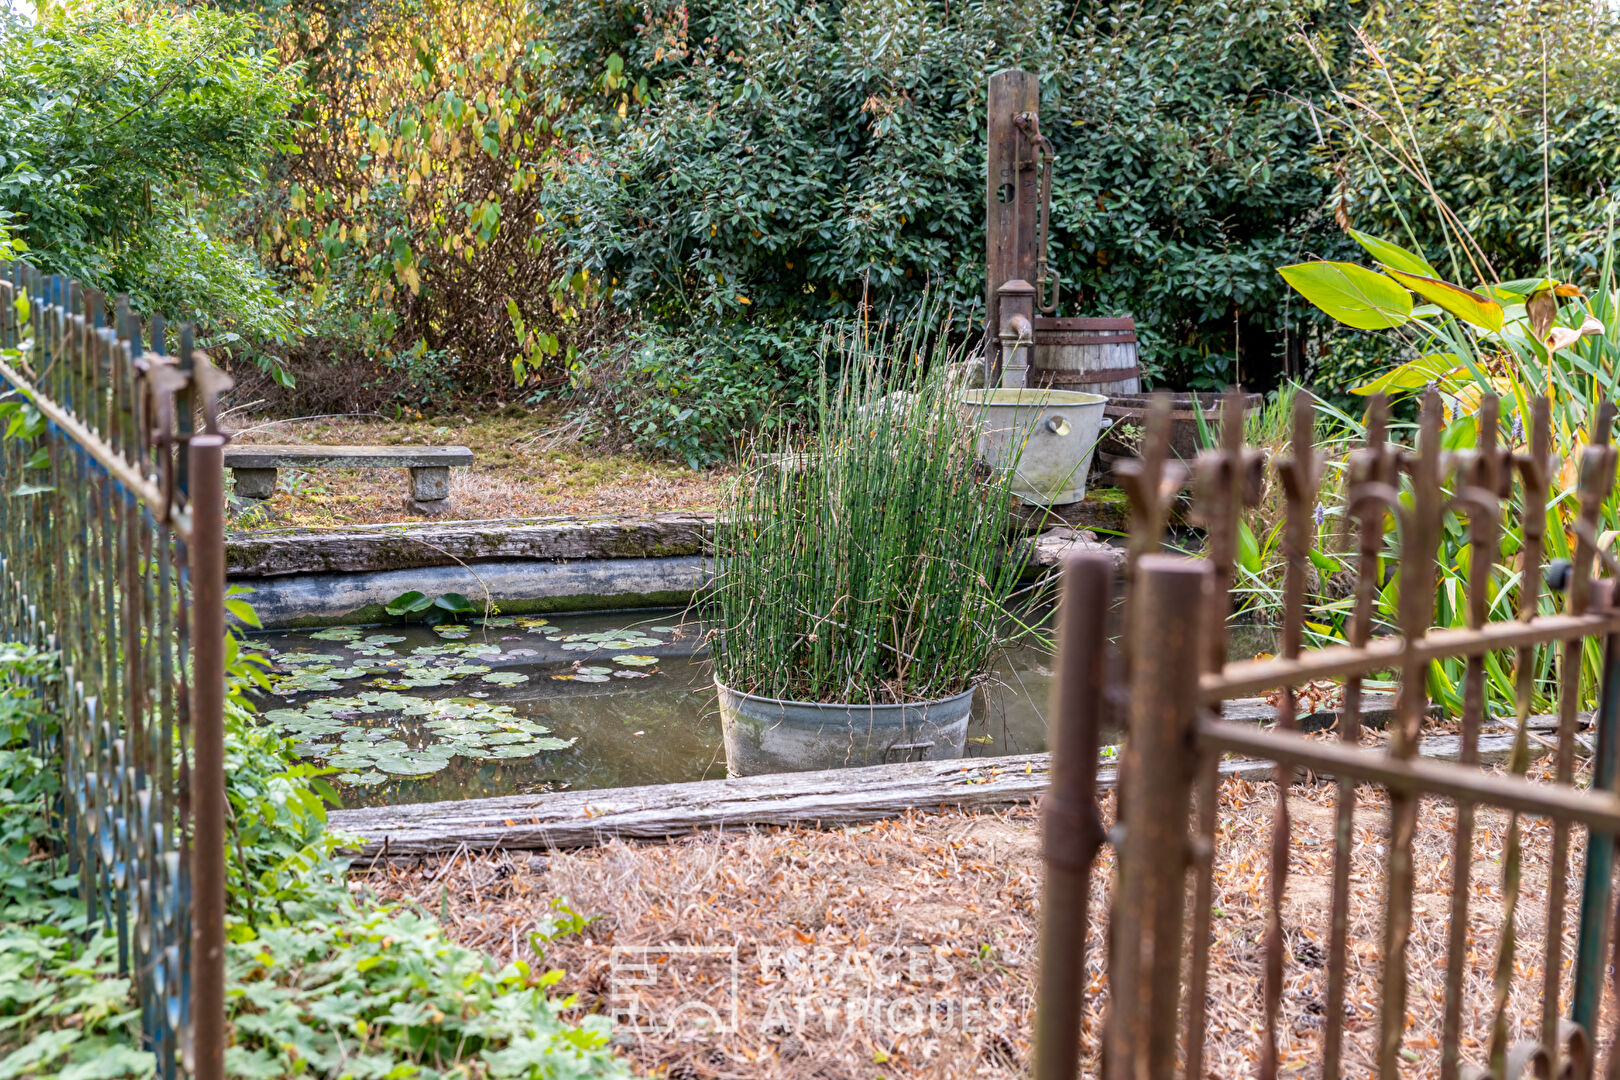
317	577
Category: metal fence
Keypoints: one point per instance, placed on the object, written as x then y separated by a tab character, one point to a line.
111	554
1164	838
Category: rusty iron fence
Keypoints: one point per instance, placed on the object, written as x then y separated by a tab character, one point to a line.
1148	1014
111	555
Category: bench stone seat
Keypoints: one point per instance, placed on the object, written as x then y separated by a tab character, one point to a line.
254	468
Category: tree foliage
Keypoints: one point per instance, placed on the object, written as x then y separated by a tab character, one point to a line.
409	210
119	125
801	157
1477	98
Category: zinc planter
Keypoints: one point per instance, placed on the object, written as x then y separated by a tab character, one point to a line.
1047	435
769	735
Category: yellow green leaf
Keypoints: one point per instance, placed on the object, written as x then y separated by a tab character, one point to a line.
1413	375
1466	304
1393	256
1351	294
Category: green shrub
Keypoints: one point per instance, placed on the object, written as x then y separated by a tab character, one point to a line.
801	158
119	125
693	393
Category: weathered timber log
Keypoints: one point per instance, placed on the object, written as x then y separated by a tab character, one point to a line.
832	797
365	549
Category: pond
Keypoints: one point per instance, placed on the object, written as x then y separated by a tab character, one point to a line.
516	705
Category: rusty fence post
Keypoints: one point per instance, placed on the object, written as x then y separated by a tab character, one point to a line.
1071	830
1155	801
1590	953
206	554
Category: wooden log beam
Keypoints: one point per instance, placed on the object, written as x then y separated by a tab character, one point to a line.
833	797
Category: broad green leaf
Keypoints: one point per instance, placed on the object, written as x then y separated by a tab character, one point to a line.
1248	553
1351	294
1466	304
1393	256
453	602
41	459
1413	375
408	604
1324	562
244	612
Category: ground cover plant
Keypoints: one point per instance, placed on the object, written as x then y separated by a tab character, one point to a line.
323	980
865	561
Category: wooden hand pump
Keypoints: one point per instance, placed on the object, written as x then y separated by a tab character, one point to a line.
1017	200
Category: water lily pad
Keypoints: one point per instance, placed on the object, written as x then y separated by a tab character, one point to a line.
453	633
506	678
636	661
499	621
365	779
590	678
401	766
338	633
594	671
632	674
533	622
663	630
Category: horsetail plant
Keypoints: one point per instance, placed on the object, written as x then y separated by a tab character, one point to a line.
866	560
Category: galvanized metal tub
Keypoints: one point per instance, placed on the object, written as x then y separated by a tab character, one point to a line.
1047	436
769	735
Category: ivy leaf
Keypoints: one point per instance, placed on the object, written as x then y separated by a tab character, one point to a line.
1351	294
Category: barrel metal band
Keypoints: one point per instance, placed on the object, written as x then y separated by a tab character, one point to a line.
1085	378
1070	337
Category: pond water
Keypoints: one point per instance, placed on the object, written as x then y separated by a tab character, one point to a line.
519	705
528	705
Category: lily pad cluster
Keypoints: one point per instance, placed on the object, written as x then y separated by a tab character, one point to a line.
374	735
425	667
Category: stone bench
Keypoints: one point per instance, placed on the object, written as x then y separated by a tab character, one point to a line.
254	468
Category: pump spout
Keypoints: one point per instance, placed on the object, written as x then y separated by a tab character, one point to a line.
1016	301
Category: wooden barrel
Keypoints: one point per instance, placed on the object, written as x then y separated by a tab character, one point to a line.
1097	356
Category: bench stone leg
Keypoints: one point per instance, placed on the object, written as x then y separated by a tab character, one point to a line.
430	491
430	483
254	483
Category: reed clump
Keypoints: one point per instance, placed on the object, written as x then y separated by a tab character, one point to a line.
866	558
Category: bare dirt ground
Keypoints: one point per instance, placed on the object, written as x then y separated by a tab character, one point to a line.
525	466
907	948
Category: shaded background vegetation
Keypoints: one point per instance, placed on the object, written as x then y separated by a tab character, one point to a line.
647	212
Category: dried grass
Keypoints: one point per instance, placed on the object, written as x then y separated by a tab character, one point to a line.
514	474
942	908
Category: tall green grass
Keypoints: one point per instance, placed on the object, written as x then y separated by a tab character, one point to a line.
866	560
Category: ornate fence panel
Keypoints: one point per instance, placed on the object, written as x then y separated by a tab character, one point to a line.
111	554
1513	639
